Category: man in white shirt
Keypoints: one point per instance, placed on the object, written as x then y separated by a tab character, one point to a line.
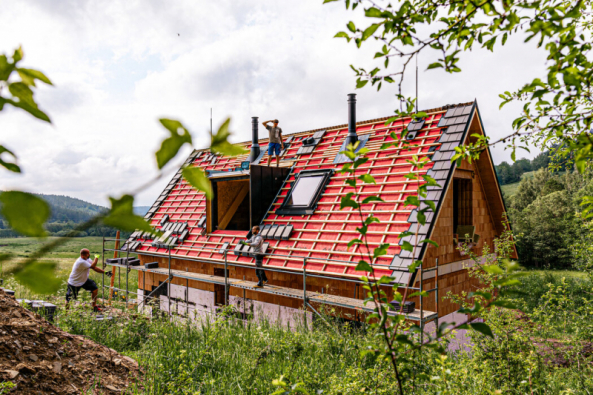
79	278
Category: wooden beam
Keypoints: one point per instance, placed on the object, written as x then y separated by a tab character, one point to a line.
226	218
114	269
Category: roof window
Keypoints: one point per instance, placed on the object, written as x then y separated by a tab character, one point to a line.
305	192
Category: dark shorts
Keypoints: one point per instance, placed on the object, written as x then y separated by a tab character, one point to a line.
274	147
72	291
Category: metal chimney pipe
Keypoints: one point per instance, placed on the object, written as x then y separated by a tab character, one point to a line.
352	137
254	140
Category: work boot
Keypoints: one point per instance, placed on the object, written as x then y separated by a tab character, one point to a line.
260	284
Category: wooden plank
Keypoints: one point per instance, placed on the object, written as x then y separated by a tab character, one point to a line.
226	218
114	268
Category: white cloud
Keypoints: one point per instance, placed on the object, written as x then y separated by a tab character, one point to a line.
118	66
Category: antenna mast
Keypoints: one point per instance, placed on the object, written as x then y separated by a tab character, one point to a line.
210	125
416	83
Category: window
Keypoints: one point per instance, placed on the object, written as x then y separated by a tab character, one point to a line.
462	203
305	192
229	209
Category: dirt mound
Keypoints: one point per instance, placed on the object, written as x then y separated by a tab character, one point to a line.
42	359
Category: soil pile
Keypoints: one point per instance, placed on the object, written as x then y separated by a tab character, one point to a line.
42	359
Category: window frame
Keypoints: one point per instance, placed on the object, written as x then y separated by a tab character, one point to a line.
462	202
289	209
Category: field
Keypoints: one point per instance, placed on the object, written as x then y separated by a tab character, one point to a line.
64	257
225	355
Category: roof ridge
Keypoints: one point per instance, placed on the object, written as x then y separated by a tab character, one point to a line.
360	123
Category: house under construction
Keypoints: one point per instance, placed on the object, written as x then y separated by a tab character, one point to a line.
201	266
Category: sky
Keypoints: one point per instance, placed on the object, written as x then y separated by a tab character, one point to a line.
119	66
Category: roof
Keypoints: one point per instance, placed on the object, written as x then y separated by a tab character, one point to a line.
322	236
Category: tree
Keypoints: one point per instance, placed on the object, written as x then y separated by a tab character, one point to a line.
548	229
557	109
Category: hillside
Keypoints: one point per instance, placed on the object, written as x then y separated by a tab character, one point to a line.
68	212
69	209
509	190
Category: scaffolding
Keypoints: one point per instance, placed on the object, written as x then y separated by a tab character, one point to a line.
421	316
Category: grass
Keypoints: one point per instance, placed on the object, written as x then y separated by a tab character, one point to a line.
64	257
510	189
227	356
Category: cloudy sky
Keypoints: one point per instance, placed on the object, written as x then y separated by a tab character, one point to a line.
118	66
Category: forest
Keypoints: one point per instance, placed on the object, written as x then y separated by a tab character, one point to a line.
66	213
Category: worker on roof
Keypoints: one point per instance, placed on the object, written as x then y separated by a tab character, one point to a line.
257	243
275	142
79	277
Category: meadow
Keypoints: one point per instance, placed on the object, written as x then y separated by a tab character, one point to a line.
64	257
546	351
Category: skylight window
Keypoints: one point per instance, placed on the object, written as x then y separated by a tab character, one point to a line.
305	192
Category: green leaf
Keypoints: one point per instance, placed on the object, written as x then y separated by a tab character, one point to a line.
369	31
328	1
29	76
367	178
18	55
482	328
33	110
363	266
25	213
485	295
361	83
434	65
354	241
10	166
5	68
372	199
199	180
343	35
24	94
380	251
373	13
346	201
412	268
121	216
39	277
221	145
492	269
171	145
350	182
351	27
407	246
412	200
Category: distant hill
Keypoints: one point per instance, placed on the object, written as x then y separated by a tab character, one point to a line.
69	209
68	212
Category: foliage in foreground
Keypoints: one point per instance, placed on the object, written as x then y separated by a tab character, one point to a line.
543	352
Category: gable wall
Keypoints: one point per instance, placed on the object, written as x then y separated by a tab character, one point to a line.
447	253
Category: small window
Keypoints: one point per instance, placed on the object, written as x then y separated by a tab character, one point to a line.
305	192
462	203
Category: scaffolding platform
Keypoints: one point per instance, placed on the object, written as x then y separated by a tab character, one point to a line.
314	297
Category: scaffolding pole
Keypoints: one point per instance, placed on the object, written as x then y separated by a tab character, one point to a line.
423	319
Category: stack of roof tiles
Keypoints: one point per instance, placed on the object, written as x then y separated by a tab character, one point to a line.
323	236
